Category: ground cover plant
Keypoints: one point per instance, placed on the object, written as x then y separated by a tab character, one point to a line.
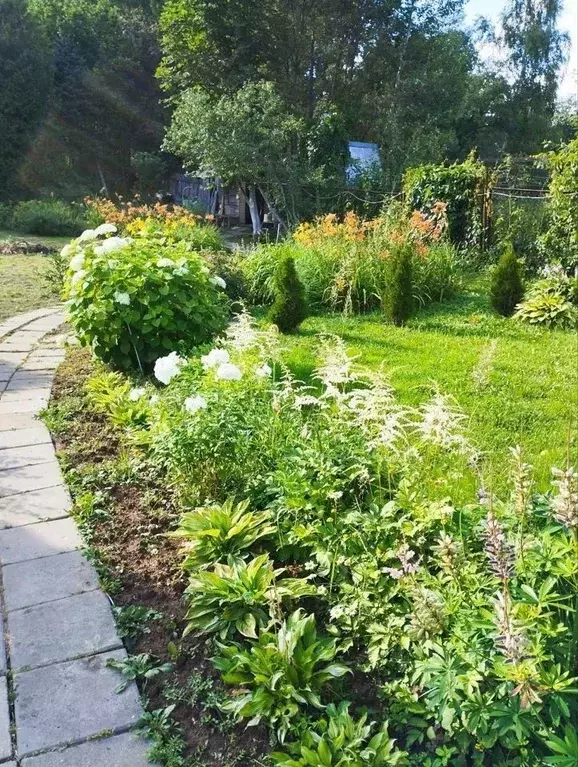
433	592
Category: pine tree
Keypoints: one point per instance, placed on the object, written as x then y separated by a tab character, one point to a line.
507	289
289	308
398	298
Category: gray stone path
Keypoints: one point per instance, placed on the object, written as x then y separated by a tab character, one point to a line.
58	701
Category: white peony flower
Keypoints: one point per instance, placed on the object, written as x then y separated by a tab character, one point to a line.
88	235
121	298
165	262
263	371
229	372
111	245
136	394
77	262
192	404
66	251
105	229
219	282
166	368
214	357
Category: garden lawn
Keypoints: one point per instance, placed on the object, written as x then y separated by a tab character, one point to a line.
517	384
55	242
23	284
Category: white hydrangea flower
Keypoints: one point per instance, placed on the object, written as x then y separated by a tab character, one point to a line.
219	282
120	298
165	262
215	357
135	394
229	372
66	251
154	399
105	229
166	368
192	404
88	235
263	371
77	262
112	245
78	276
180	271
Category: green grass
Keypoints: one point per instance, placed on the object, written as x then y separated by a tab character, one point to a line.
55	242
23	284
526	393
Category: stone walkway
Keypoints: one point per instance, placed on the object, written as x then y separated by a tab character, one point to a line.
58	704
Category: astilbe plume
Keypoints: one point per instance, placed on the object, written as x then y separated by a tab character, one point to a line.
498	549
441	424
565	502
337	368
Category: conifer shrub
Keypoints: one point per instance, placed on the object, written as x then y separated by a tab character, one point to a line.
398	294
506	289
289	307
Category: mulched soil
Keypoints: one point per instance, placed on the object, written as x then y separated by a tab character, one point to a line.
132	541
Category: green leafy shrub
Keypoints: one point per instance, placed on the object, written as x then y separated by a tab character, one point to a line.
398	293
560	241
459	187
239	596
281	674
5	215
289	308
214	534
48	217
135	301
551	302
341	741
506	290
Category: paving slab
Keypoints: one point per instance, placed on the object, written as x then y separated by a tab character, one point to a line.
29	379
41	363
36	435
61	630
17	395
20	544
125	750
5	740
13	359
71	701
27	455
19	421
23	406
26	478
3	665
17	346
42	580
34	506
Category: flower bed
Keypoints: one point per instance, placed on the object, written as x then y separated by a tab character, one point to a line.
324	560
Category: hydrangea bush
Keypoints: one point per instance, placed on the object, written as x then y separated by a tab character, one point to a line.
133	301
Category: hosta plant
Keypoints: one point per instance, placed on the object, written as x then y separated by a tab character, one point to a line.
133	301
240	596
551	303
281	674
341	741
213	534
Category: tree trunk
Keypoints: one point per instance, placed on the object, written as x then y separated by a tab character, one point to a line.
254	211
273	210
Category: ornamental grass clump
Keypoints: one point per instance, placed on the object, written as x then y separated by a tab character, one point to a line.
507	289
135	300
